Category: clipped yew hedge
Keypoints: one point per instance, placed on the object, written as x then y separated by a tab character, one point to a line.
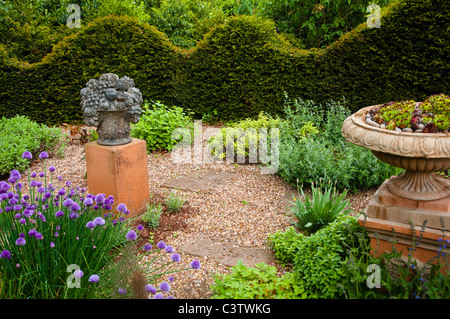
243	67
240	68
48	91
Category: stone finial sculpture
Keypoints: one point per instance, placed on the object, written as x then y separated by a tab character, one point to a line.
111	104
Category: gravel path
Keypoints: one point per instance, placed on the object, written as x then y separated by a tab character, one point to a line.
243	210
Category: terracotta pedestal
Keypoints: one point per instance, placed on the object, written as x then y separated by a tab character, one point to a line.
120	171
388	215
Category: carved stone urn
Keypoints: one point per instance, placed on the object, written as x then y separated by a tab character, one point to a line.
420	154
111	104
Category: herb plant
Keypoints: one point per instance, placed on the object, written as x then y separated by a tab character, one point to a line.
158	122
55	229
19	134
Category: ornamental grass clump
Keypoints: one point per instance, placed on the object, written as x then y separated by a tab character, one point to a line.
57	241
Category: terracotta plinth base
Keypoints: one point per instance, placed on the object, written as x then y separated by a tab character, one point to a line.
389	216
120	171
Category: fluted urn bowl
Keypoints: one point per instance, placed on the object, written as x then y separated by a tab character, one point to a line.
420	154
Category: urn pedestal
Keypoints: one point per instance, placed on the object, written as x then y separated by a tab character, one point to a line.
120	171
403	203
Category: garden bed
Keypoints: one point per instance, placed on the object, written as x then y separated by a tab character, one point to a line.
244	210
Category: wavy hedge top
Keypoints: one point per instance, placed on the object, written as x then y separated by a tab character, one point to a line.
240	68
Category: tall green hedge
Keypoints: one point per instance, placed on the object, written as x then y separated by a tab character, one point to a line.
48	91
241	67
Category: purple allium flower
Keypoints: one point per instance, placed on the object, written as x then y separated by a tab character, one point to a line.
94	278
195	264
169	249
42	218
15	175
41	189
48	195
171	278
52	169
39	236
158	296
99	198
75	207
147	247
32	233
176	257
52	244
99	221
164	286
150	288
26	155
33	184
161	245
43	155
5	254
140	227
90	225
17	208
73	215
78	273
33	174
59	213
22	221
41	174
56	234
68	202
62	191
20	241
28	213
19	186
4	186
88	202
121	208
22	235
60	178
122	291
131	235
18	216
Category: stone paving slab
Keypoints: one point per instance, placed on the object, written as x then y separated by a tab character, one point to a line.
200	180
227	253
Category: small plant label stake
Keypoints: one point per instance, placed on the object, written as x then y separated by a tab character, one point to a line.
373	20
74	20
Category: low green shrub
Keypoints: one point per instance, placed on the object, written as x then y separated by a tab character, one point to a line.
244	137
319	210
157	124
152	214
320	260
174	202
259	282
19	134
307	156
284	244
